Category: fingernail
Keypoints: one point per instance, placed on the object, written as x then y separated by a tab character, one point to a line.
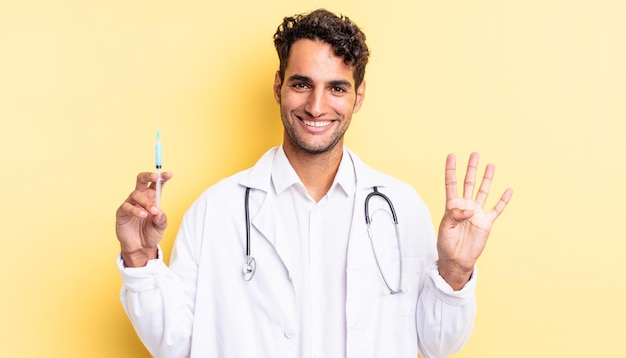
154	210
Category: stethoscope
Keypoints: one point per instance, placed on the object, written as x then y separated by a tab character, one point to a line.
249	267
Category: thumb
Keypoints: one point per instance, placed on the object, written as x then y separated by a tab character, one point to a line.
160	221
456	215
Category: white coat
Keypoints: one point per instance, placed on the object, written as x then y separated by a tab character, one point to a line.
202	307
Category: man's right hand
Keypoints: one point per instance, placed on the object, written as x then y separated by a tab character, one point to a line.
139	224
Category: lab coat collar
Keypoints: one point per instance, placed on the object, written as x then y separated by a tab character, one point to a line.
283	174
366	177
260	175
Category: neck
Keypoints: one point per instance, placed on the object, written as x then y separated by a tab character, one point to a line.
316	171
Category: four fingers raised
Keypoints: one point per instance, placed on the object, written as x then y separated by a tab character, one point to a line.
470	183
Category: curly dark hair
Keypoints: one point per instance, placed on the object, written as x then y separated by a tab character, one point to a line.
346	39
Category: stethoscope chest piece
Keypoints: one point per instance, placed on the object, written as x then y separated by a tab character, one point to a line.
249	268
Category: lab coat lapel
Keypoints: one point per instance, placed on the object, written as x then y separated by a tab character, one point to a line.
358	244
268	222
360	265
264	214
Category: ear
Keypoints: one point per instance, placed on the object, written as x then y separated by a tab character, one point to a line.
360	97
277	86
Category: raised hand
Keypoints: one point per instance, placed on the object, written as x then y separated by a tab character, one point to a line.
139	224
465	226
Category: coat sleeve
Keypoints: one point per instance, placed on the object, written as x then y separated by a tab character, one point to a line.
159	300
444	317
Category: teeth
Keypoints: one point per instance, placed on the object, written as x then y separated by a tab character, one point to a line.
317	123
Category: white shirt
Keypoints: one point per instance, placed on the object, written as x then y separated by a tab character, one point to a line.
318	239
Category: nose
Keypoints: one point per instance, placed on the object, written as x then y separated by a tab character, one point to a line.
316	103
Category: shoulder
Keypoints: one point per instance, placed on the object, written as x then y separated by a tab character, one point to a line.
224	190
228	193
368	177
397	190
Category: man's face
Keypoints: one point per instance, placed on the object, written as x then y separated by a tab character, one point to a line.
317	98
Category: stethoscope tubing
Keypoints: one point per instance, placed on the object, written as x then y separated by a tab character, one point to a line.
249	267
368	222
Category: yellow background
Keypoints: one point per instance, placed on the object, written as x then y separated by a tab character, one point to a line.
537	87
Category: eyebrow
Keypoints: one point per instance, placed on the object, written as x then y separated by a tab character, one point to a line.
307	79
341	83
299	78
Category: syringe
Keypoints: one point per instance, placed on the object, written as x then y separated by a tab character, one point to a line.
159	159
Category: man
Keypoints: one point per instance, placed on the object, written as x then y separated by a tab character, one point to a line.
278	261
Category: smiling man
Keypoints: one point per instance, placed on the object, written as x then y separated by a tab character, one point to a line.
317	100
279	260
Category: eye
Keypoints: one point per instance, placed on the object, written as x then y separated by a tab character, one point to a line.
338	89
300	85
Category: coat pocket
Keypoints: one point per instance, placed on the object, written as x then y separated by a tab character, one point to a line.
411	275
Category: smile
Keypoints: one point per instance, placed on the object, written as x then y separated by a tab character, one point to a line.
317	124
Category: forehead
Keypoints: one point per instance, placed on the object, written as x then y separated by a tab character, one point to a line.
317	59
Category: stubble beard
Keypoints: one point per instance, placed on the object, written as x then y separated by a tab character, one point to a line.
302	145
